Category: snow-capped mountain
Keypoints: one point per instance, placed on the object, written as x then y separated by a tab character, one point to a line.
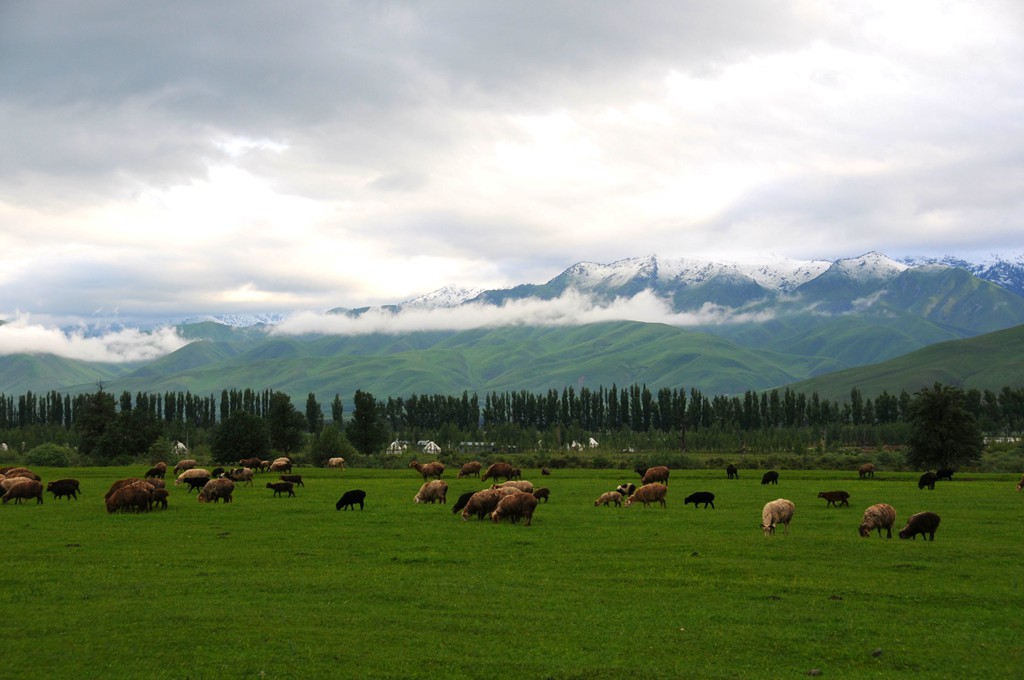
442	297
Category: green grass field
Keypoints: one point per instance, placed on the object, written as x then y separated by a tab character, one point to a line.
290	588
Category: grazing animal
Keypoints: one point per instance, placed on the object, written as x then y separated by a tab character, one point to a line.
514	507
215	490
482	503
195	478
133	497
294	479
705	497
159	497
282	487
496	471
779	511
640	470
878	516
1020	484
924	523
217	472
130	481
626	489
927	479
647	494
835	498
520	484
156	472
461	503
17	472
866	470
732	472
336	463
350	498
609	497
542	492
23	488
658	473
281	466
436	490
544	471
770	477
243	475
186	464
516	473
431	469
945	473
64	487
253	463
470	469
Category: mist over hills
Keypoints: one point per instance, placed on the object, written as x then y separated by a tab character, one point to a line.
722	327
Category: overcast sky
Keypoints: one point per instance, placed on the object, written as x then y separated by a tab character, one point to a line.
177	158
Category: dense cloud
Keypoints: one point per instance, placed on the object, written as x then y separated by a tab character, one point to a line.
168	159
22	336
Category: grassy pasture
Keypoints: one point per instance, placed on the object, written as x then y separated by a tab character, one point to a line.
289	587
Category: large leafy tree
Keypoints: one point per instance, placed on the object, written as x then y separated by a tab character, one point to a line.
330	442
242	435
943	433
366	429
314	414
286	425
93	414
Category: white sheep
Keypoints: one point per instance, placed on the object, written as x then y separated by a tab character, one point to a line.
336	463
779	511
608	498
878	516
433	491
521	484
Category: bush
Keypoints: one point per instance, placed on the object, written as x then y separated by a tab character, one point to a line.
49	455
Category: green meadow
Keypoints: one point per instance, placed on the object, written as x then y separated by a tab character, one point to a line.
291	588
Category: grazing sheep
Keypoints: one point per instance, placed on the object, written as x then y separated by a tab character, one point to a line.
521	484
627	489
195	478
216	490
156	482
545	472
218	472
609	497
878	516
483	503
542	492
253	463
945	473
770	477
294	479
779	511
470	469
436	490
350	498
732	472
924	523
129	481
263	466
159	498
866	470
1020	484
516	473
658	473
23	488
927	479
133	497
431	469
496	470
461	503
640	470
242	475
186	464
281	466
835	498
705	497
282	487
156	473
64	487
336	463
515	507
647	494
18	472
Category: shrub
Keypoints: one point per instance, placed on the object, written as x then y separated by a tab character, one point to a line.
49	455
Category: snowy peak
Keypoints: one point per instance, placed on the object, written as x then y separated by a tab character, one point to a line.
442	297
871	266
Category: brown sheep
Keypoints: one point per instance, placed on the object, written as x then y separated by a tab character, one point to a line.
482	503
542	492
156	482
779	511
835	498
133	497
545	472
1020	484
128	481
281	487
866	470
647	494
281	466
496	471
470	469
159	498
294	479
23	488
436	490
516	473
515	507
195	478
878	516
609	497
217	490
658	473
924	523
521	484
243	475
253	463
431	469
186	464
14	473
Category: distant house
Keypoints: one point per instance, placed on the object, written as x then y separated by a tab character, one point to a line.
592	443
430	447
396	447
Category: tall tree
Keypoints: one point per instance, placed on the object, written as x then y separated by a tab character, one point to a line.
241	435
285	423
314	414
943	433
93	415
366	430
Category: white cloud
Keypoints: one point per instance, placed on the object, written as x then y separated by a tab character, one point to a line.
21	336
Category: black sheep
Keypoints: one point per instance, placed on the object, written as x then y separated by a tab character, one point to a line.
461	503
835	498
705	497
350	498
770	477
927	479
924	523
732	472
294	479
281	487
945	473
64	487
